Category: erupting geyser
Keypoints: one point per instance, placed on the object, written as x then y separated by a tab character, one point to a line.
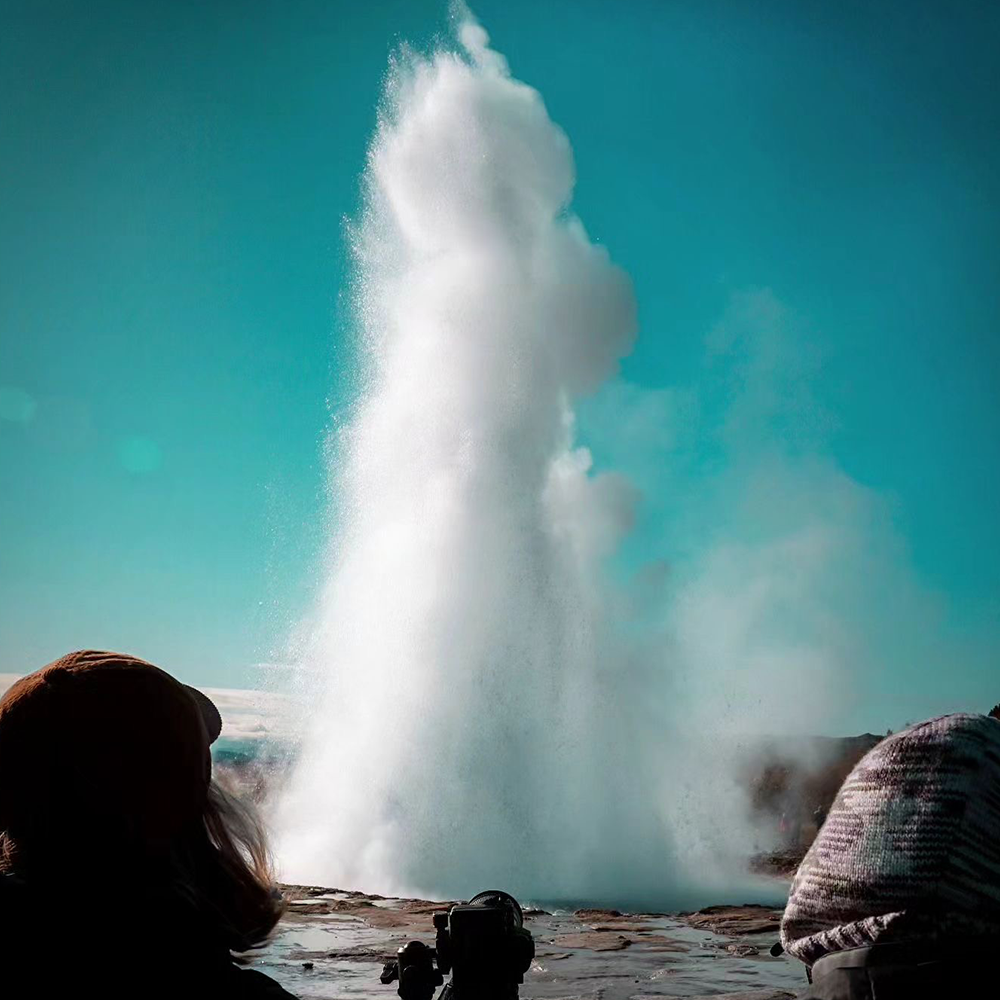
474	722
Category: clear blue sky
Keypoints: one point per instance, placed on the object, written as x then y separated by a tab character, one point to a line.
174	180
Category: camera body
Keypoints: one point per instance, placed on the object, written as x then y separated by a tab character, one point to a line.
482	943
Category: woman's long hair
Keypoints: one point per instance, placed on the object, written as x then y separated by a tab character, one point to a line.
217	869
223	867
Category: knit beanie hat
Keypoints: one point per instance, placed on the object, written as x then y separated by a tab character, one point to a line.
910	850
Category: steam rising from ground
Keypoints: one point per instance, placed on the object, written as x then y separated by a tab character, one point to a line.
472	726
488	708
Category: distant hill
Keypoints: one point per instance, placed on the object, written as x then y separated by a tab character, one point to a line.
791	784
802	775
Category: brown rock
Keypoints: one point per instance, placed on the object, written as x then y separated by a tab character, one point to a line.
632	926
751	918
659	942
778	864
590	915
593	941
747	995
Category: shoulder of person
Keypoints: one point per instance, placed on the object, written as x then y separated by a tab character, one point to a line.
15	909
249	984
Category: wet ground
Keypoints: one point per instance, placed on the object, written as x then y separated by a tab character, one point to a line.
332	944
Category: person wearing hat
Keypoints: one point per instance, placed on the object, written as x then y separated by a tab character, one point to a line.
124	869
898	898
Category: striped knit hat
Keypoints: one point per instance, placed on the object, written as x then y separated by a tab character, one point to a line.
910	849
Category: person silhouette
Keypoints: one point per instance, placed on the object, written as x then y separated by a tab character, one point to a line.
125	870
899	894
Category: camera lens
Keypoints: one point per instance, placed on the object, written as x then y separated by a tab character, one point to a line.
498	900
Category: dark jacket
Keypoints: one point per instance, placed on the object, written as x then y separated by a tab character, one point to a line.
68	942
905	972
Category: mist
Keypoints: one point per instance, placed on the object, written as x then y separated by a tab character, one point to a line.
492	699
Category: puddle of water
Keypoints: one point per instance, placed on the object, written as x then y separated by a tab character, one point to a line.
346	958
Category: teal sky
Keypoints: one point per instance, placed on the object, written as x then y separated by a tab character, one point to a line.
172	332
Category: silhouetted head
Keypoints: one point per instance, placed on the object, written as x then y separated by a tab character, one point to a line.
105	772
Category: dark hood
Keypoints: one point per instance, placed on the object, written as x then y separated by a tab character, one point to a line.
957	970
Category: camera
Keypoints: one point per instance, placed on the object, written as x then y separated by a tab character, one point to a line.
483	945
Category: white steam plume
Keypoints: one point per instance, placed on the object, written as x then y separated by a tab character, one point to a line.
473	724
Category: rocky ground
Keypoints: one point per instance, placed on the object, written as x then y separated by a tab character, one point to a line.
778	864
332	944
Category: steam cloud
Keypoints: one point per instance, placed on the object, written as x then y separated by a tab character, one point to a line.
470	727
487	707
